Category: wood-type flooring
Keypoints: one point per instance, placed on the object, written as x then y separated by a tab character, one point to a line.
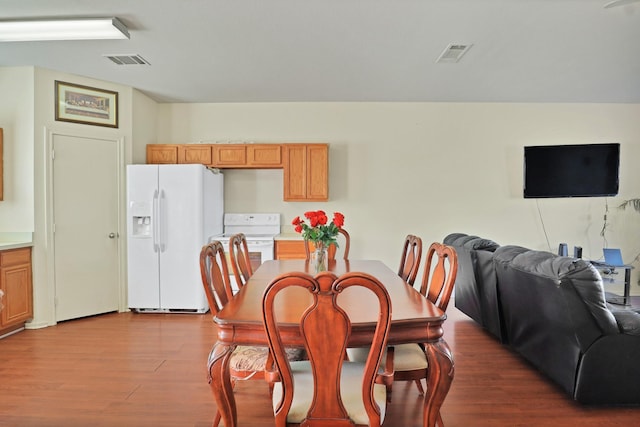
150	370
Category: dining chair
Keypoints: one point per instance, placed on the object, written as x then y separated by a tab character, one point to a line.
441	267
410	360
246	362
345	245
410	259
239	257
326	389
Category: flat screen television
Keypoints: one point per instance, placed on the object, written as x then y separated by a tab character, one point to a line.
587	170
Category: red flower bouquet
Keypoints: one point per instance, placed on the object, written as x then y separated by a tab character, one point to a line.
317	230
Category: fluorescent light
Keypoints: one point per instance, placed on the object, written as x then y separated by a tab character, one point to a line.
63	29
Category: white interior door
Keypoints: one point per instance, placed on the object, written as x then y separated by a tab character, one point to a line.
85	217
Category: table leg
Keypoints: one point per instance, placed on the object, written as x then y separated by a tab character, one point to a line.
220	383
439	378
627	282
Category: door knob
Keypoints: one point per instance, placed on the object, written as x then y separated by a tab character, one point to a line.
112	235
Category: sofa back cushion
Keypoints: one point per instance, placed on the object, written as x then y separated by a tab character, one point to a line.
476	280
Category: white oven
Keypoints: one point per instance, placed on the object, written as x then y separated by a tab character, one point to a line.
259	230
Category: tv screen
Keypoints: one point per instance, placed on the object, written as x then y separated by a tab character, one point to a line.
588	170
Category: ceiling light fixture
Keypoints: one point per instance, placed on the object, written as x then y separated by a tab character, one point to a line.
63	29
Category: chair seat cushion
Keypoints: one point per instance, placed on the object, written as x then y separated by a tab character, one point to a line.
350	390
407	357
254	358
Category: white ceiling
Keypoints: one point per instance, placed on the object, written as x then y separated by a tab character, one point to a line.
351	50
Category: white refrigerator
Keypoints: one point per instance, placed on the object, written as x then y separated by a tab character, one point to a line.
172	210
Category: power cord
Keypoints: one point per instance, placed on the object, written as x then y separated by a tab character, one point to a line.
543	227
605	224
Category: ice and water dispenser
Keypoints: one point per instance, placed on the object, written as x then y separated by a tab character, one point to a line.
140	219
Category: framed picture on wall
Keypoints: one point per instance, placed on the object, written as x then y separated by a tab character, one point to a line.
86	105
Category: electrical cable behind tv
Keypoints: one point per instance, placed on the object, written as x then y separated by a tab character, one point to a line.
543	227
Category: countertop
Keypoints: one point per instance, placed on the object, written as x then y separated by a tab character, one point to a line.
288	236
15	240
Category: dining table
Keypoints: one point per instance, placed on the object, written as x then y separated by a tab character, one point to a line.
414	319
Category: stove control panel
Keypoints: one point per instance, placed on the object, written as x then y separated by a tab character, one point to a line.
252	219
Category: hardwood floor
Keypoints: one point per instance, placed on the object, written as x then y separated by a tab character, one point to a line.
150	370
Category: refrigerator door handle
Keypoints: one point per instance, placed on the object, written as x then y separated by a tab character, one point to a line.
162	226
155	222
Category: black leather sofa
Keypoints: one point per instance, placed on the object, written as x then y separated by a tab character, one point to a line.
553	312
476	282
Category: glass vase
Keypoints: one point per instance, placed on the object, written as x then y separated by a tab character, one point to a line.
319	258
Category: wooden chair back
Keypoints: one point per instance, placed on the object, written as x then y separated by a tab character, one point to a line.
326	328
332	250
441	267
410	259
239	257
215	276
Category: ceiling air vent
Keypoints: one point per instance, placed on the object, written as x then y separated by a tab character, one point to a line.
453	53
127	59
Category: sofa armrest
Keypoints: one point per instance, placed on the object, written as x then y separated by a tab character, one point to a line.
628	322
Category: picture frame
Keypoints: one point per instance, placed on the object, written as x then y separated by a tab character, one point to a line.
86	105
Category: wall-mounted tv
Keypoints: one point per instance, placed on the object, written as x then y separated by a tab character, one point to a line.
588	170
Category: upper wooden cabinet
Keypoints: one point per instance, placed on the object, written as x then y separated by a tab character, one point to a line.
162	154
264	155
195	153
306	172
257	156
306	166
229	156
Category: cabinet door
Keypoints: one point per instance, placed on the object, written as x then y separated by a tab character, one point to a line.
15	282
195	153
295	177
306	176
317	172
162	154
229	156
264	155
289	249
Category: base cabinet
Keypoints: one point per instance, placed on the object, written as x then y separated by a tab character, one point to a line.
289	249
294	249
16	284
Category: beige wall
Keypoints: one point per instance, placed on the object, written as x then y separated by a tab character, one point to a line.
16	118
27	116
428	168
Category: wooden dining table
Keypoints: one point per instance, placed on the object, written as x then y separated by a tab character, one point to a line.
414	319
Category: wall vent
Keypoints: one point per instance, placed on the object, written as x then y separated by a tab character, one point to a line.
127	59
453	53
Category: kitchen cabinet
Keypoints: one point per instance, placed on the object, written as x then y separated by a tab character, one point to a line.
195	154
230	156
15	282
306	166
289	249
257	156
294	249
1	172
162	153
264	155
306	172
